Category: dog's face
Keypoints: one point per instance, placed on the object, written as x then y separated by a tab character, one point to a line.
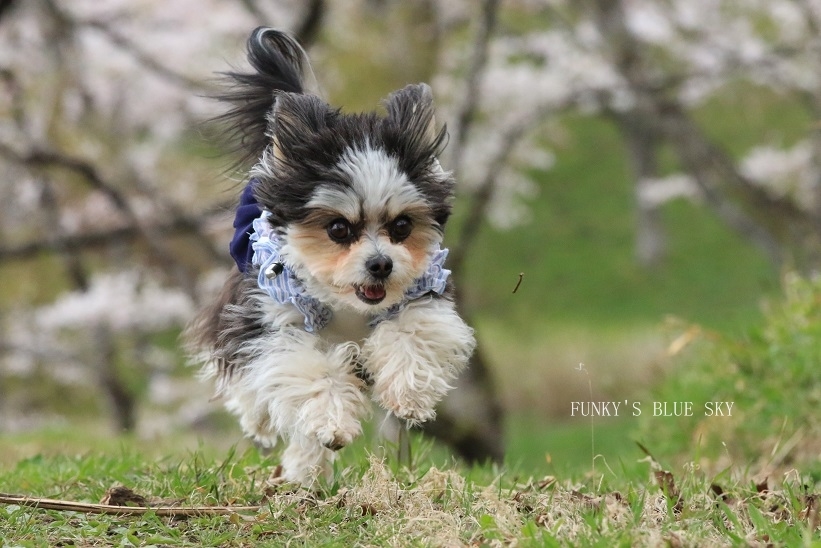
361	200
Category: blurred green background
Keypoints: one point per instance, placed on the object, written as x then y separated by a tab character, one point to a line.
584	298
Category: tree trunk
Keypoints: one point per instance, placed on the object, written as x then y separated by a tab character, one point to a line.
122	401
651	241
470	419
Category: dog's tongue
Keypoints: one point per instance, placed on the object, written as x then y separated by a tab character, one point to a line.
373	292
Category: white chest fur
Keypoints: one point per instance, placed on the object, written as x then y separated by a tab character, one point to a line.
347	326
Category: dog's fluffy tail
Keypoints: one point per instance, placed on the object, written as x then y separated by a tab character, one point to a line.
280	65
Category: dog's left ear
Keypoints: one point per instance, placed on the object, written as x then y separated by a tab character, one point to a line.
295	118
411	112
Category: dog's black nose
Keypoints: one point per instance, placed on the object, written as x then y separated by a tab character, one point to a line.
380	266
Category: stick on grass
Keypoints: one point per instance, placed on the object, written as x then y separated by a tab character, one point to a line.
89	508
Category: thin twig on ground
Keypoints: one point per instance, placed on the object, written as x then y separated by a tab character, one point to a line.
89	508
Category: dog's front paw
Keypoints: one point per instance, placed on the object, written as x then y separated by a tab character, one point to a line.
412	408
335	436
330	421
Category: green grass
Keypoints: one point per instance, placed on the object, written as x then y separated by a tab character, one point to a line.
574	448
376	502
772	376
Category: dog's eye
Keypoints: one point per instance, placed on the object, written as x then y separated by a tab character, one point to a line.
340	231
400	229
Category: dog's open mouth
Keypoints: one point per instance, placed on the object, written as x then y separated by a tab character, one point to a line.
371	294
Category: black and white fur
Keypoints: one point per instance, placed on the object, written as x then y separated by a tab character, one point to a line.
360	202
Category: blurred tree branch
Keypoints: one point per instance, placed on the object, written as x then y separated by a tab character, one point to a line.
471	419
89	241
307	30
39	159
471	96
481	196
149	62
5	6
69	254
67	25
769	222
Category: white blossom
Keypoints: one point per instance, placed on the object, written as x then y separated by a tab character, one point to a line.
121	301
653	192
790	172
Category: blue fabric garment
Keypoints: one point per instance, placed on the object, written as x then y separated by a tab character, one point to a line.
286	287
247	211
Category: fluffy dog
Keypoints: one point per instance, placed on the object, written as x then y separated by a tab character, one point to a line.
340	292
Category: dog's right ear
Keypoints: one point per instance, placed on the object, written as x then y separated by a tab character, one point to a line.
294	119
